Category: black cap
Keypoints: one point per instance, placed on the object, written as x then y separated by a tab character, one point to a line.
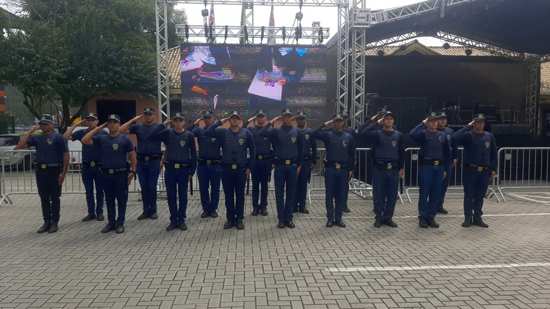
46	119
149	111
433	116
479	117
113	117
207	115
301	115
260	113
286	111
178	116
338	117
442	115
235	114
91	116
389	113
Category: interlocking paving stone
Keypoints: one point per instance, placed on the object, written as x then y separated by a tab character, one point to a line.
265	267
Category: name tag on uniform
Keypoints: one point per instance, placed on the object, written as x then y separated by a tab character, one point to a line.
146	158
43	166
234	166
389	166
287	162
436	163
208	162
338	166
177	166
92	163
111	171
480	169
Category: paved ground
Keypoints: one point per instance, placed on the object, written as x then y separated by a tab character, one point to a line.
264	267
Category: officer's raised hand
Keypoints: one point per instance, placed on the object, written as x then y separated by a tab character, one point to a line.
402	173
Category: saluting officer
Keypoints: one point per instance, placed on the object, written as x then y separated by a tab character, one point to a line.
238	157
180	162
261	171
115	149
287	142
339	165
480	164
449	164
434	151
388	150
52	162
309	154
148	156
91	173
209	170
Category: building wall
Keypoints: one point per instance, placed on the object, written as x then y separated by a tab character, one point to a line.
141	101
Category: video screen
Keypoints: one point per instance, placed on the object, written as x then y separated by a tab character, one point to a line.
249	78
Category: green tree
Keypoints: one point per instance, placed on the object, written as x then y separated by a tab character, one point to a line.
68	51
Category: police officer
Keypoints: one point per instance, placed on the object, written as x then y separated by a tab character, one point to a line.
480	164
351	131
309	153
287	143
180	162
91	173
449	164
238	157
52	162
388	147
209	170
434	151
148	155
339	165
261	171
115	149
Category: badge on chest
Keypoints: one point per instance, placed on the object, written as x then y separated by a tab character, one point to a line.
293	139
182	143
115	147
241	141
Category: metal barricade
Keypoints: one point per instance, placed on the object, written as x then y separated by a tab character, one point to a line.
524	173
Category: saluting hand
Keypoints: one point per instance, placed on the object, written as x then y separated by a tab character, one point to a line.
402	173
471	124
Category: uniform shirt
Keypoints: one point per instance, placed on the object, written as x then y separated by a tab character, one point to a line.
479	149
449	135
147	138
50	148
262	143
340	146
180	147
433	145
89	152
234	145
209	146
309	149
113	150
287	143
388	146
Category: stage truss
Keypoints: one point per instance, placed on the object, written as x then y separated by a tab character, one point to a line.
352	43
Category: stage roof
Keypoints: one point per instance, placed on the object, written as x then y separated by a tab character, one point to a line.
518	25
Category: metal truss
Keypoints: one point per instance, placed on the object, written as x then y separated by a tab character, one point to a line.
247	18
358	106
309	3
342	64
393	40
163	82
466	42
384	16
532	95
255	32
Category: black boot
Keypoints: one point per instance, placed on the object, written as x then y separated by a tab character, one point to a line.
88	218
390	223
479	222
433	224
423	223
304	211
171	227
255	212
467	221
443	211
263	212
228	225
44	228
377	223
53	228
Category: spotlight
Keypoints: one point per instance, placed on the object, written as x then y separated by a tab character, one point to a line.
284	34
380	53
225	35
299	16
446	46
245	35
262	34
321	38
468	52
204	13
298	33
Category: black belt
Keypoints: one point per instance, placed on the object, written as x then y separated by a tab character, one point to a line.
308	159
45	166
263	157
433	162
178	165
113	171
286	162
232	166
209	161
478	168
388	166
336	165
149	157
91	164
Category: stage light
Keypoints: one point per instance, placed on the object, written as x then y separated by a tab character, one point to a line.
468	52
204	13
262	34
245	35
321	38
186	32
446	46
284	34
298	33
381	53
299	16
225	35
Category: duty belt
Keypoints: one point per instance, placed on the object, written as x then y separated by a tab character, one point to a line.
433	162
232	166
336	165
263	157
143	157
113	171
388	166
478	168
178	165
91	163
209	162
44	166
286	162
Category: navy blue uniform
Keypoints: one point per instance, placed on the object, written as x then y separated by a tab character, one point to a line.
480	160
180	162
235	161
388	150
148	167
434	152
113	152
209	170
339	161
309	159
50	150
287	145
261	171
448	166
91	174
